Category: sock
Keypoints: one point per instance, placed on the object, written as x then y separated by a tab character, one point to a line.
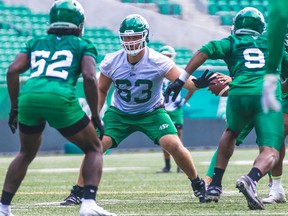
89	192
211	167
255	174
6	198
5	208
276	181
217	177
167	163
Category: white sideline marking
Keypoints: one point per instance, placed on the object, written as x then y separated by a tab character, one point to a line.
238	162
105	169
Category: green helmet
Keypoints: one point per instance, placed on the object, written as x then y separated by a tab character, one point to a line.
168	51
67	14
248	21
134	25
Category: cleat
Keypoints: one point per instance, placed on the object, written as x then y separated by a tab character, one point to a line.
74	197
275	196
213	193
90	208
164	170
179	170
199	190
248	188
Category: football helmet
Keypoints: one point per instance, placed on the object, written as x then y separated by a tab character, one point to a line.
168	51
133	26
248	21
67	14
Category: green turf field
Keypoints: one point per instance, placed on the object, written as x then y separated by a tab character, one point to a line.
130	186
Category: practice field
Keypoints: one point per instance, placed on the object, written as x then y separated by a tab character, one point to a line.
130	186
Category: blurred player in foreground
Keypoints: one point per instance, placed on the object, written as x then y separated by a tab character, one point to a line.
174	110
137	73
56	60
278	21
245	52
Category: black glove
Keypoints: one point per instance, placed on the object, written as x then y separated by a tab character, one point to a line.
204	81
175	87
13	119
98	125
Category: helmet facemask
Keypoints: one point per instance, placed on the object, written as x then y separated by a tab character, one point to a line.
133	47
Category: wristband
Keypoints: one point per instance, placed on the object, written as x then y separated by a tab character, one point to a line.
184	76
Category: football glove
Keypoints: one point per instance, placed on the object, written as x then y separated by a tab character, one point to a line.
269	100
98	125
205	80
13	119
175	87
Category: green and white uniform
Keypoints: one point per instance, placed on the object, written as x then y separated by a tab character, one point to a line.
246	56
49	93
138	100
175	112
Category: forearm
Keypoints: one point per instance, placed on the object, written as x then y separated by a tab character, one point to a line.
196	61
13	84
91	93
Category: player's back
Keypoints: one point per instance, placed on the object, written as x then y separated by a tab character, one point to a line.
55	63
247	63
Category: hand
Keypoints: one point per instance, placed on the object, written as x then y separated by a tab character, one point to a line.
175	87
13	119
180	103
269	100
98	125
204	81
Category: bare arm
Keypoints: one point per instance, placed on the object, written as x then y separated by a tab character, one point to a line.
88	68
18	66
104	85
196	61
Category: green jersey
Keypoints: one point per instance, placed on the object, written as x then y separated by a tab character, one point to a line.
55	64
245	56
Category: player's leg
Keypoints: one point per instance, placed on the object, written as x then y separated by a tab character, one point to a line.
244	133
235	123
277	193
269	129
30	144
30	140
115	127
167	167
165	134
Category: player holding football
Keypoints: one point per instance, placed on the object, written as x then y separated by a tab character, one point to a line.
137	73
245	53
174	109
56	60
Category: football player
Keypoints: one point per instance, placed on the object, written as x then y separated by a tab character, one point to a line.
137	73
174	110
278	20
56	60
245	52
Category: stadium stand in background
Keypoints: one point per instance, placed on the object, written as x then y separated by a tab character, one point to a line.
186	27
18	23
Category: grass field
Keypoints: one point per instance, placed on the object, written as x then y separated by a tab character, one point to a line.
130	186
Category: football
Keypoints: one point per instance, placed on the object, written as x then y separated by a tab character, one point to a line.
218	88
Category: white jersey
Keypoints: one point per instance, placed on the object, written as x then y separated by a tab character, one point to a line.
170	106
138	88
